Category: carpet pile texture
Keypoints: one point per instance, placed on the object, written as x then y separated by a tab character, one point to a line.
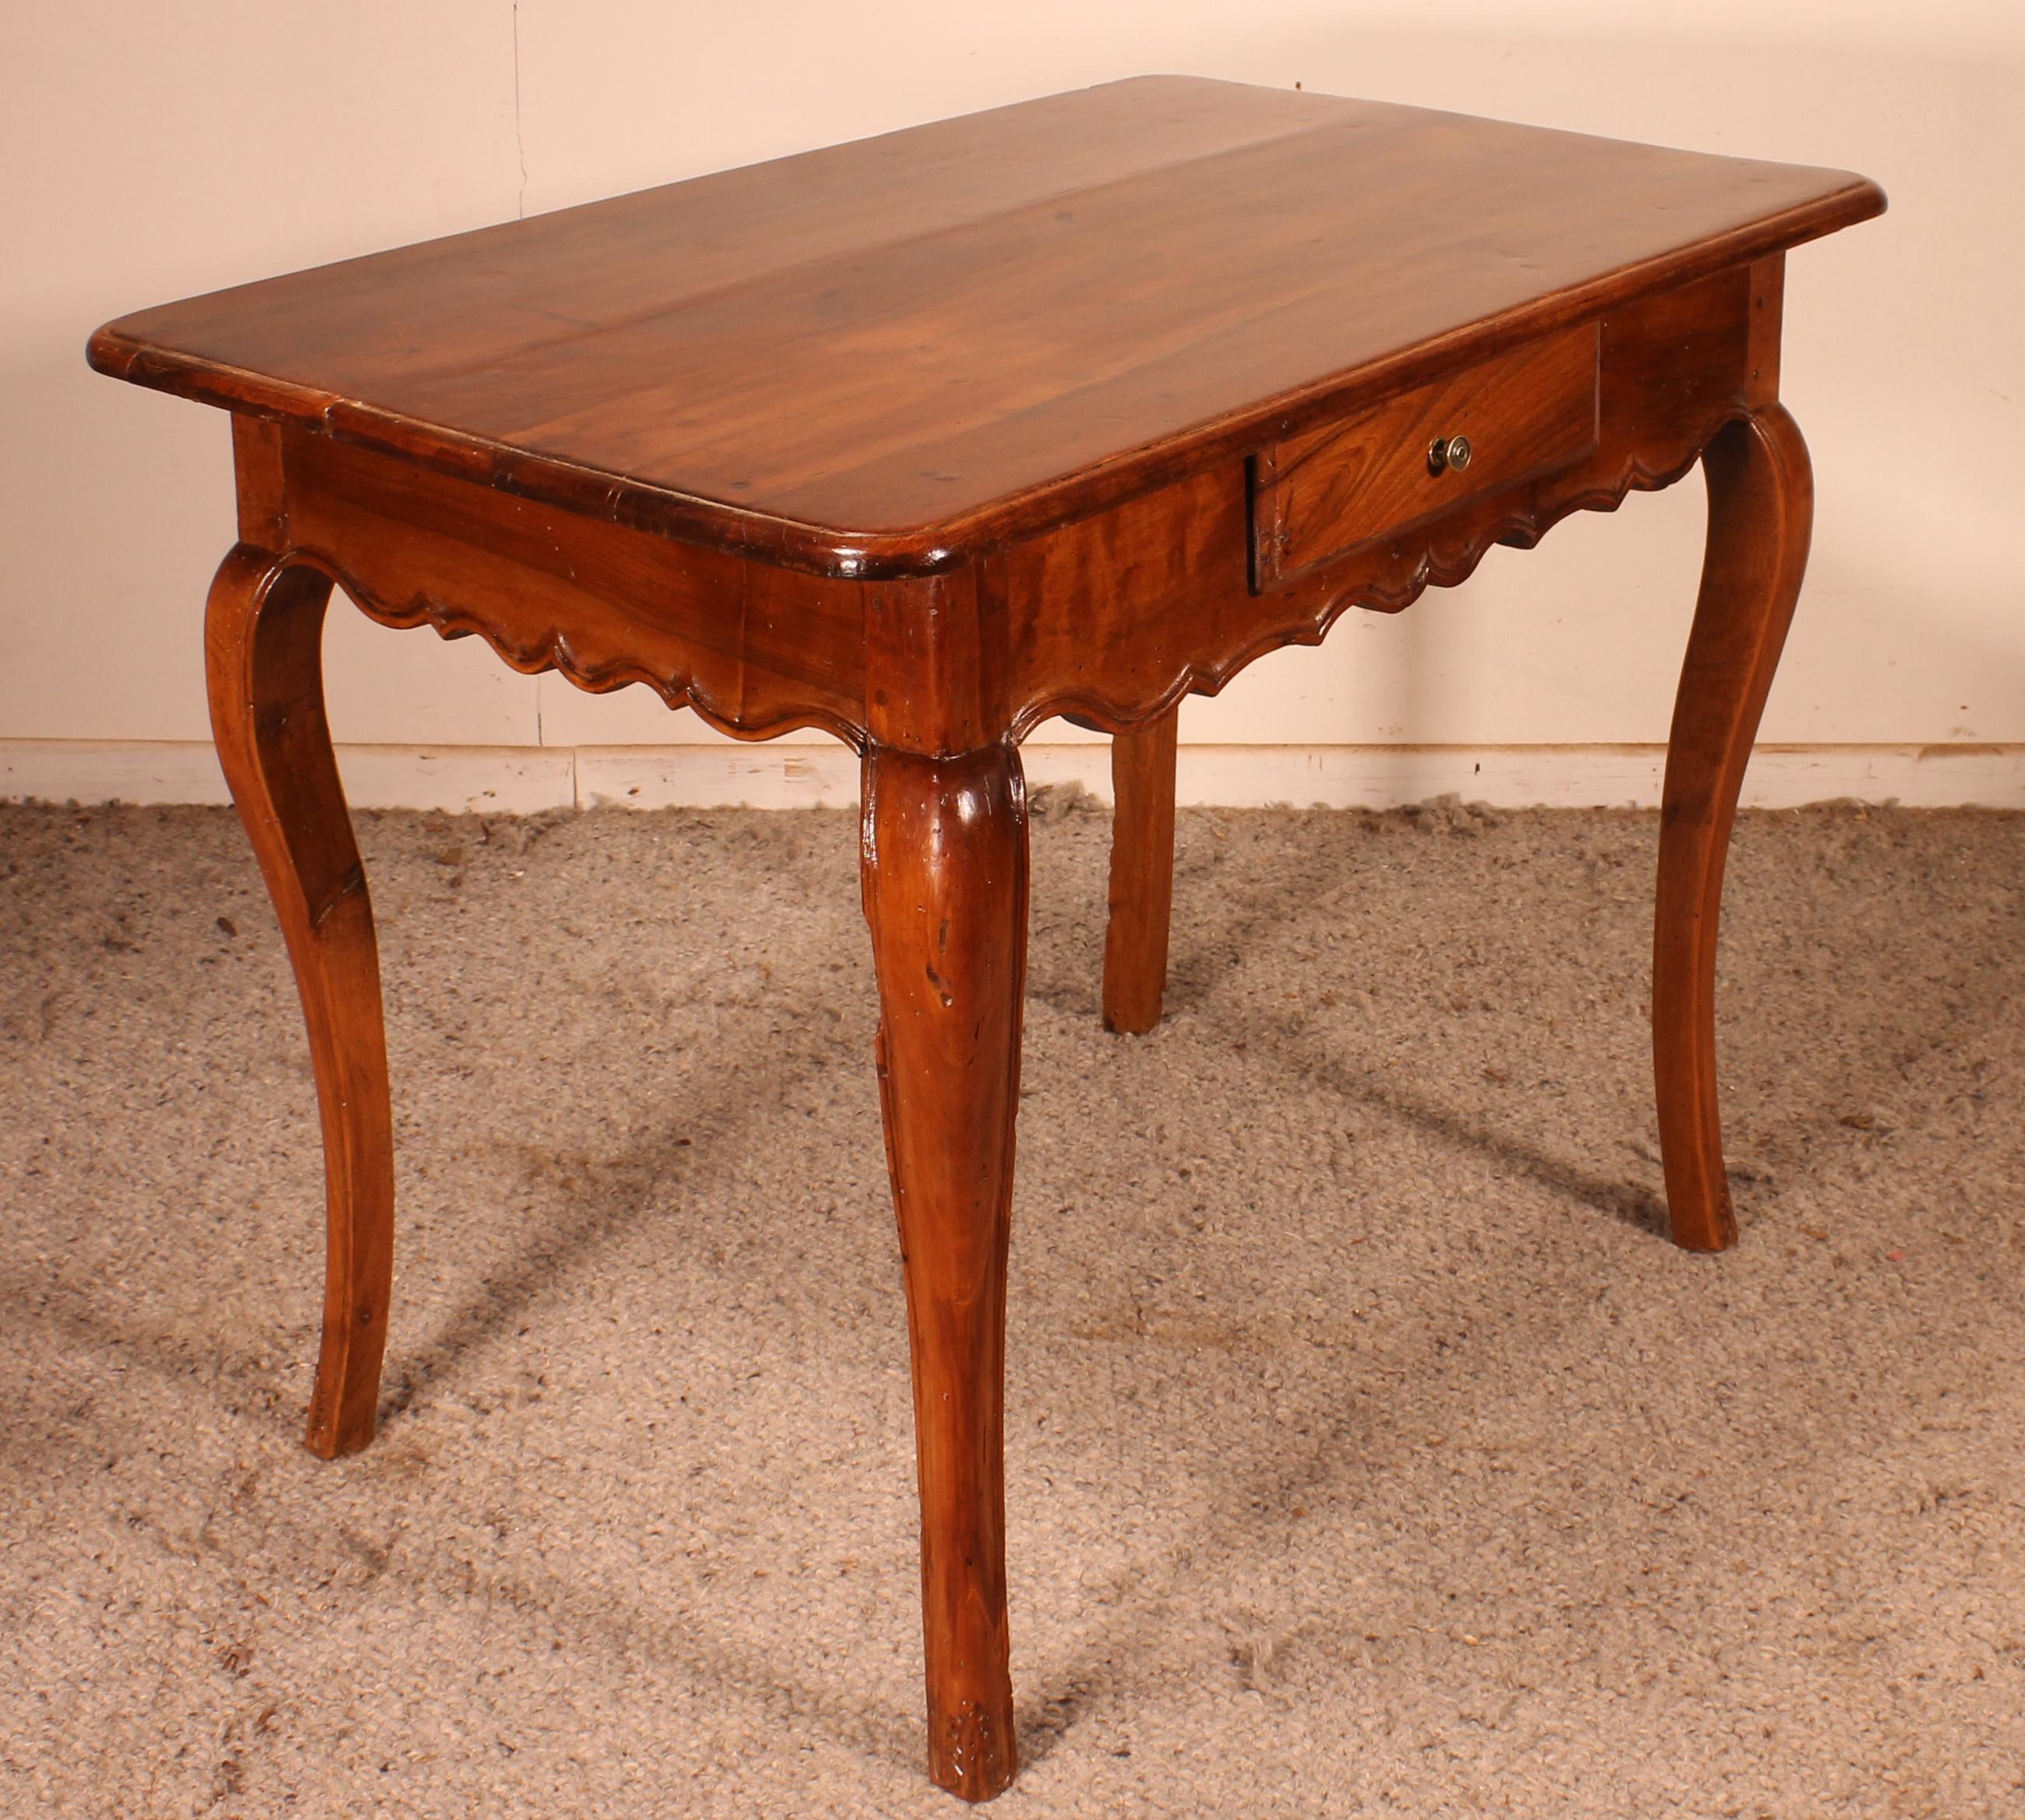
1370	1453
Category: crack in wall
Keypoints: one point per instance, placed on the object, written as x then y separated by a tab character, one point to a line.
521	210
520	141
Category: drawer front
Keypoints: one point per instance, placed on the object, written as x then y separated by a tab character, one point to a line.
1524	414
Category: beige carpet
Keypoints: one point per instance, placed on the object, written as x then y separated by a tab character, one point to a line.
1369	1452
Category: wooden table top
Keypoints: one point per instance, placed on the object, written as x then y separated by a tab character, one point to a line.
878	359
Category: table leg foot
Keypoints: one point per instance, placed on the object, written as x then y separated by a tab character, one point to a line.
1761	511
264	660
1142	874
945	875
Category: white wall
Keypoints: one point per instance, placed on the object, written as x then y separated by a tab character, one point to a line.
151	153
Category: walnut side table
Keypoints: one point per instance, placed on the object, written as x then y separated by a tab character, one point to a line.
1071	407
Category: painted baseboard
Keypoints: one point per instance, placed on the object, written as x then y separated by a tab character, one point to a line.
519	780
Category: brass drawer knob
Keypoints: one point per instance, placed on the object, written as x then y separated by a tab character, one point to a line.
1449	452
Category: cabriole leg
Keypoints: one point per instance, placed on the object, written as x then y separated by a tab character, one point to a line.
264	665
944	876
1761	512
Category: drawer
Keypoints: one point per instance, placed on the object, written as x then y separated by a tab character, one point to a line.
1525	414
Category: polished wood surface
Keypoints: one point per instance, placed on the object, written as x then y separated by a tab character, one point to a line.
263	632
1072	408
1760	510
1379	471
945	881
883	358
755	650
1164	602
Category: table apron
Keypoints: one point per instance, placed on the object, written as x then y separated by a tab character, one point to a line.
1112	618
1115	618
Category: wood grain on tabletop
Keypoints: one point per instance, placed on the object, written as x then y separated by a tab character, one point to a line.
878	358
